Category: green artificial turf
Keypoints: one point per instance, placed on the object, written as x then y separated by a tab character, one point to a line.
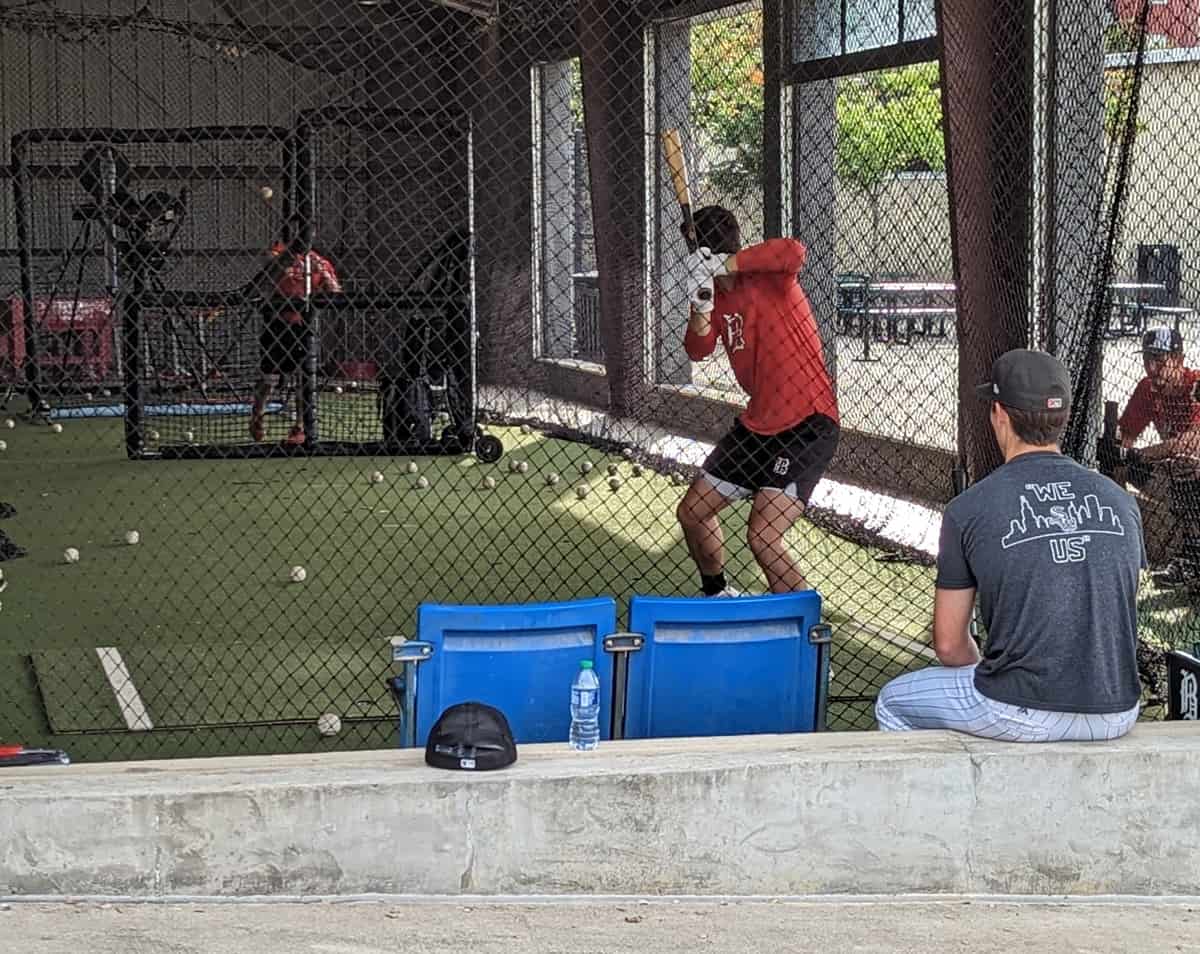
228	656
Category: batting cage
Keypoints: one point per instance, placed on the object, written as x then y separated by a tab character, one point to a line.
324	320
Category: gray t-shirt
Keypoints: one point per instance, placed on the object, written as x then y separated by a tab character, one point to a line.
1055	550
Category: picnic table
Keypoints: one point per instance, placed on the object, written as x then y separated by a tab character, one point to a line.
894	310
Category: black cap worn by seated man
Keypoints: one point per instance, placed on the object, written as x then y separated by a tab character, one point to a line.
1162	341
1029	381
471	737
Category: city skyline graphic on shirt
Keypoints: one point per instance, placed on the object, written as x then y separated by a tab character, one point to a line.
1059	514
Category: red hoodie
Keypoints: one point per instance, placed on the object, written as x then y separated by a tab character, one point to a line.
767	326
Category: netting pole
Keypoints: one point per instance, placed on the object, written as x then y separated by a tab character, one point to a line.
21	193
773	185
129	302
306	192
986	64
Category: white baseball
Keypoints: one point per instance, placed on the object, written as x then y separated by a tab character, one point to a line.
636	470
189	436
412	467
153	435
329	723
422	483
376	477
526	429
581	491
551	479
489	483
614	483
3	446
627	453
585	467
56	428
522	467
132	537
10	423
337	389
298	574
70	555
613	470
87	395
267	193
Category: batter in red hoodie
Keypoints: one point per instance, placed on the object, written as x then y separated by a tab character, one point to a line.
778	449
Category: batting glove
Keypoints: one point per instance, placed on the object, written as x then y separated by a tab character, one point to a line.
703	264
702	296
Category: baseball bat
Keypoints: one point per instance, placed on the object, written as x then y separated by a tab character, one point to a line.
1110	420
677	166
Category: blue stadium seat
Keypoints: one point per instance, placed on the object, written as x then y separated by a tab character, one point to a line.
751	664
519	658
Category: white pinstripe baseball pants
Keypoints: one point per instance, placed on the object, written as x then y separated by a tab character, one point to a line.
945	697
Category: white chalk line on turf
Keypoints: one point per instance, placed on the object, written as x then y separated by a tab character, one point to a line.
133	709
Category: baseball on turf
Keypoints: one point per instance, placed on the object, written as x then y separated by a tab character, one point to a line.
87	395
376	477
132	537
3	446
266	192
56	427
585	467
10	423
329	723
154	435
526	429
337	389
189	436
627	453
581	491
613	470
422	483
551	479
297	574
636	470
489	483
614	483
412	467
70	555
522	467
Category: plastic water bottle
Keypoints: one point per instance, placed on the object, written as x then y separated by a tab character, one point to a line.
585	708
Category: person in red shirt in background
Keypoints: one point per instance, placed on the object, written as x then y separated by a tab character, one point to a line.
284	338
751	300
1169	398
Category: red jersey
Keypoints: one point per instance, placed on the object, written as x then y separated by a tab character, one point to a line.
1171	416
770	336
291	283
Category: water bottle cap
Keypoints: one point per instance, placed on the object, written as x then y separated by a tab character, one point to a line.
585	664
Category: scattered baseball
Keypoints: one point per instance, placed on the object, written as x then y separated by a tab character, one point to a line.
489	483
581	491
627	453
512	466
70	555
132	537
376	477
106	392
614	483
412	467
337	389
676	479
636	470
298	574
267	193
522	467
87	395
56	428
585	467
329	723
154	435
551	479
189	436
613	470
10	423
3	446
526	429
422	483
353	385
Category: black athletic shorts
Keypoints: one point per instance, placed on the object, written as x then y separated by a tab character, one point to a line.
284	345
793	461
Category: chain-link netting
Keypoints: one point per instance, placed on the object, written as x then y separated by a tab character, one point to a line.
313	311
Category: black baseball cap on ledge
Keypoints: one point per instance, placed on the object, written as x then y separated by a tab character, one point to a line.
471	737
1029	381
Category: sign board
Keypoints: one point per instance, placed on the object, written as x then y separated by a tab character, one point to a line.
1183	686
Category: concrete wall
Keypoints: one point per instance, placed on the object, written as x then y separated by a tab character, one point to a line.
818	814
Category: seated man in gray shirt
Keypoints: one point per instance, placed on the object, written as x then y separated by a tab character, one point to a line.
1054	551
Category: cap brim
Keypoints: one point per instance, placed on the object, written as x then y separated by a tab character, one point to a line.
984	391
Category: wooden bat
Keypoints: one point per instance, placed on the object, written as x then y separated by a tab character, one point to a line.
677	165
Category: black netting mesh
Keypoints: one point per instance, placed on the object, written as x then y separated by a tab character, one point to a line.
396	292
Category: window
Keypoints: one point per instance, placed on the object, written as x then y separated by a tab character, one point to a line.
566	294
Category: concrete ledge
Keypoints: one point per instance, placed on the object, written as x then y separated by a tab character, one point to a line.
839	813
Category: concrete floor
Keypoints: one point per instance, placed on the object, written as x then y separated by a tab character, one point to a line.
599	927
